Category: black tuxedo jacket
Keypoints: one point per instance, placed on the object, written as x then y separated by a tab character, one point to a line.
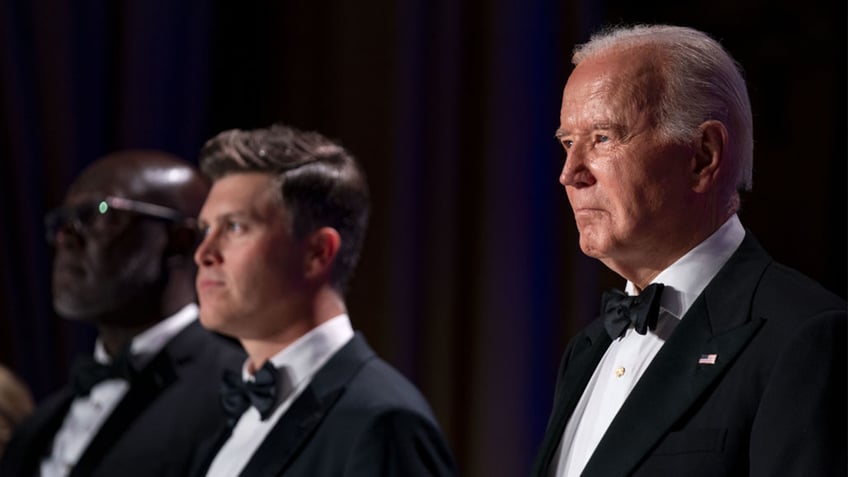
773	404
155	428
358	417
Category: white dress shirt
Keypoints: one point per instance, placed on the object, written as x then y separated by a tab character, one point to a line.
88	413
299	361
627	357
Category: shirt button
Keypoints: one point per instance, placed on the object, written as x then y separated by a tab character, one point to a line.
619	371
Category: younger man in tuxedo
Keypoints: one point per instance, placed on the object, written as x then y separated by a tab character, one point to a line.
123	243
721	362
283	226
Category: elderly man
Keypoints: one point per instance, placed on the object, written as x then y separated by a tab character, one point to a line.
124	240
717	361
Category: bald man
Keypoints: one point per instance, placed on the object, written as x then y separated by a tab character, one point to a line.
123	242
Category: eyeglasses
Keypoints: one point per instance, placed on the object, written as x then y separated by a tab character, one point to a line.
100	216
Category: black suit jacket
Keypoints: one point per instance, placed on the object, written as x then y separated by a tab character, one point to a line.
773	404
155	428
358	417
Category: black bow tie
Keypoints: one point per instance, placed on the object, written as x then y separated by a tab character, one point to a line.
86	372
237	395
620	310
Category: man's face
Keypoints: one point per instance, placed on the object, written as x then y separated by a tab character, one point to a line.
104	262
250	267
628	188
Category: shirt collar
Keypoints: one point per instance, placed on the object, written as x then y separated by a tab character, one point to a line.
146	344
686	278
302	359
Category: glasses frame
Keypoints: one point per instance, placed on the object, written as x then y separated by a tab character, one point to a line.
64	218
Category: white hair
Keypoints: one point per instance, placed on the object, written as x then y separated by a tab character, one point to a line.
702	82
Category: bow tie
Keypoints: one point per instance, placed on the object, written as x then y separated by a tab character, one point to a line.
237	395
86	372
620	310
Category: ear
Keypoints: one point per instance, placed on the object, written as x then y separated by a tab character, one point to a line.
709	155
321	248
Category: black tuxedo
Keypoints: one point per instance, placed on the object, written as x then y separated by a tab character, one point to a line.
773	404
358	417
154	429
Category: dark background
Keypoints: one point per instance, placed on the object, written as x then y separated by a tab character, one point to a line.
471	281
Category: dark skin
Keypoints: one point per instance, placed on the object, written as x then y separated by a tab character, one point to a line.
127	272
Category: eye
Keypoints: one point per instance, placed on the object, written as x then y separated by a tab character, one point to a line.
99	216
233	226
567	143
602	138
87	215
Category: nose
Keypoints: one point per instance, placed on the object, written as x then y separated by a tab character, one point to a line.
207	253
68	233
575	171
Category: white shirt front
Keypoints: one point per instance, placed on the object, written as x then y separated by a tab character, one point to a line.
300	361
88	413
627	357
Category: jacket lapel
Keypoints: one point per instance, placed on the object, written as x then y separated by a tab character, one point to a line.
579	364
154	378
717	327
33	439
299	422
290	434
206	451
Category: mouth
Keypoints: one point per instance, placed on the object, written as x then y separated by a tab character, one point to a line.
205	285
587	216
66	270
587	211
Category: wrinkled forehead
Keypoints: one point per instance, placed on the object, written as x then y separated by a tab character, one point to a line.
612	84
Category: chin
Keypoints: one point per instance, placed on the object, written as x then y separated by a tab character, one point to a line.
209	322
213	321
74	311
591	246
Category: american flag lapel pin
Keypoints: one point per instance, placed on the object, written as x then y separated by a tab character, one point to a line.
707	358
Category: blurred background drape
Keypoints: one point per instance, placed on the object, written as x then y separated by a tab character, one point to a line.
471	281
